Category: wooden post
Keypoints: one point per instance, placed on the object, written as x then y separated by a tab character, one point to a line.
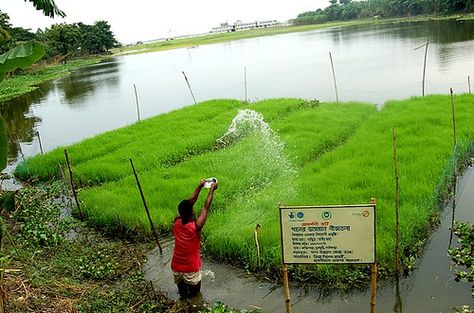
245	83
454	117
424	67
81	215
286	288
146	208
189	87
373	280
373	287
39	140
334	77
455	165
136	101
469	83
397	193
255	234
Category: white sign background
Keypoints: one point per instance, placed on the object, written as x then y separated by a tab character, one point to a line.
328	234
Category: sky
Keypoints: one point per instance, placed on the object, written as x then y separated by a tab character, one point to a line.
142	20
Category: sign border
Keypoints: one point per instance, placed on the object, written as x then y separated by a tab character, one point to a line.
282	207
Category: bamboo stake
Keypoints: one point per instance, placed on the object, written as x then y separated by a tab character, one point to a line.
81	215
146	208
454	118
245	83
39	140
136	101
255	234
455	165
469	83
189	87
334	77
397	193
286	287
424	67
373	280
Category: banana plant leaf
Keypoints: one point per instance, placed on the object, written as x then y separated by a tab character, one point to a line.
22	56
48	7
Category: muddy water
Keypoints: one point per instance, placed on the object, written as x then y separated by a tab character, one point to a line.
430	288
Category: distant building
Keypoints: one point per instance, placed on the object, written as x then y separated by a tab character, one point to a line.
239	25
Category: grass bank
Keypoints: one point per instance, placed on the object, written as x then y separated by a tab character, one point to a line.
205	39
28	79
284	150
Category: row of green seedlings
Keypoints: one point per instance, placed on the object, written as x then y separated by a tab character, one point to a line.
354	173
162	141
242	169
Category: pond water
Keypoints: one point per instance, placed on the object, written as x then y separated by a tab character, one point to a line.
372	63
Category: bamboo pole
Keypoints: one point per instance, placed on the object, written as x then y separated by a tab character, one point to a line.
424	67
455	165
469	83
40	144
334	77
81	215
373	280
189	87
454	117
245	83
146	208
136	101
255	234
286	287
397	193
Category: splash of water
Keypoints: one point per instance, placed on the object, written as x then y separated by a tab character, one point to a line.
244	123
268	157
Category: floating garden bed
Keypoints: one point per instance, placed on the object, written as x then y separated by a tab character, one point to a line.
285	150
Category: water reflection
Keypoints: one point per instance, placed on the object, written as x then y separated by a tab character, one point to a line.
83	83
73	90
444	33
20	124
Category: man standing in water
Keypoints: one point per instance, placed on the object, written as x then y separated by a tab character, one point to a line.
186	262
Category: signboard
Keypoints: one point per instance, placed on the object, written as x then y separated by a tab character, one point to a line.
328	234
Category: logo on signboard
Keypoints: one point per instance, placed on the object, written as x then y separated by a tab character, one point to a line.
291	215
326	215
300	214
365	213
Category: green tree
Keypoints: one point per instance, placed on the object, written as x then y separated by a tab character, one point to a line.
97	38
62	39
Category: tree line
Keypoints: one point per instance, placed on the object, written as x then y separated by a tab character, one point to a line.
77	39
341	10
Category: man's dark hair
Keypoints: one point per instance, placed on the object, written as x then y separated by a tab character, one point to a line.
185	210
